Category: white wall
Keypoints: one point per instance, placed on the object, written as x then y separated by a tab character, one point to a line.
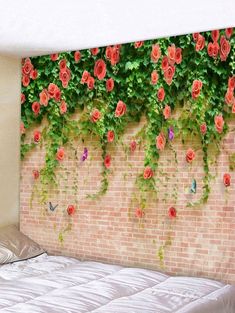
10	72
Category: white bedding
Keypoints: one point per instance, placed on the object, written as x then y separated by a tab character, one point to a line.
49	284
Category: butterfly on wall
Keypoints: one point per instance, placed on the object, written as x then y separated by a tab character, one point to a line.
193	188
52	207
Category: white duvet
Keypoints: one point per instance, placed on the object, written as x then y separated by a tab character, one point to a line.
49	284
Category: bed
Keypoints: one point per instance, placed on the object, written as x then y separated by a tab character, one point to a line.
56	284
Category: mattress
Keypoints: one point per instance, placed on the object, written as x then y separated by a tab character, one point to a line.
55	284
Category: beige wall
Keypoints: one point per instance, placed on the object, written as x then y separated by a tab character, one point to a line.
9	139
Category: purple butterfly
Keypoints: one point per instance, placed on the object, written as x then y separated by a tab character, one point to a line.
84	155
171	134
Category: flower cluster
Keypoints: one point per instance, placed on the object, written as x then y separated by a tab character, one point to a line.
28	72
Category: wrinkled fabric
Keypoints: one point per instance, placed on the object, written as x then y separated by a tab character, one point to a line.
54	284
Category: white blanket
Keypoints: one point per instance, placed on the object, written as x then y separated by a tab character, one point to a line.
49	284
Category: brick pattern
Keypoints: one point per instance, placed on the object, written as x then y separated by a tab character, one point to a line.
203	239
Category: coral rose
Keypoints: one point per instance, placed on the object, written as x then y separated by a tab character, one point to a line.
219	123
161	94
115	55
44	97
155	53
215	35
60	154
133	145
109	84
95	115
178	55
100	69
165	63
27	67
167	112
77	56
63	65
229	97
22	98
200	43
148	172
195	36
90	82
65	76
138	44
160	141
171	50
139	213
120	109
36	108
196	88
203	128
227	180
94	51
154	77
169	74
85	76
34	74
190	155
228	32
224	48
231	82
25	80
63	107
54	56
110	136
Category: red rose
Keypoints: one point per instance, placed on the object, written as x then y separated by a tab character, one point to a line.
25	80
110	136
215	35
77	56
108	52
109	84
44	97
219	123
107	161
36	136
71	210
65	77
115	55
231	82
100	69
139	213
22	128
95	115
165	63
60	154
227	180
196	88
35	174
195	36
169	74
224	48
63	65
34	74
172	212
190	155
213	49
54	56
178	55
94	51
154	77
52	89
27	67
22	98
133	145
167	112
36	108
155	53
203	128
148	172
120	109
85	77
161	94
90	82
160	142
200	43
171	50
229	98
138	44
228	32
63	107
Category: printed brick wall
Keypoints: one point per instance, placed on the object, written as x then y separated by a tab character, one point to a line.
203	239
